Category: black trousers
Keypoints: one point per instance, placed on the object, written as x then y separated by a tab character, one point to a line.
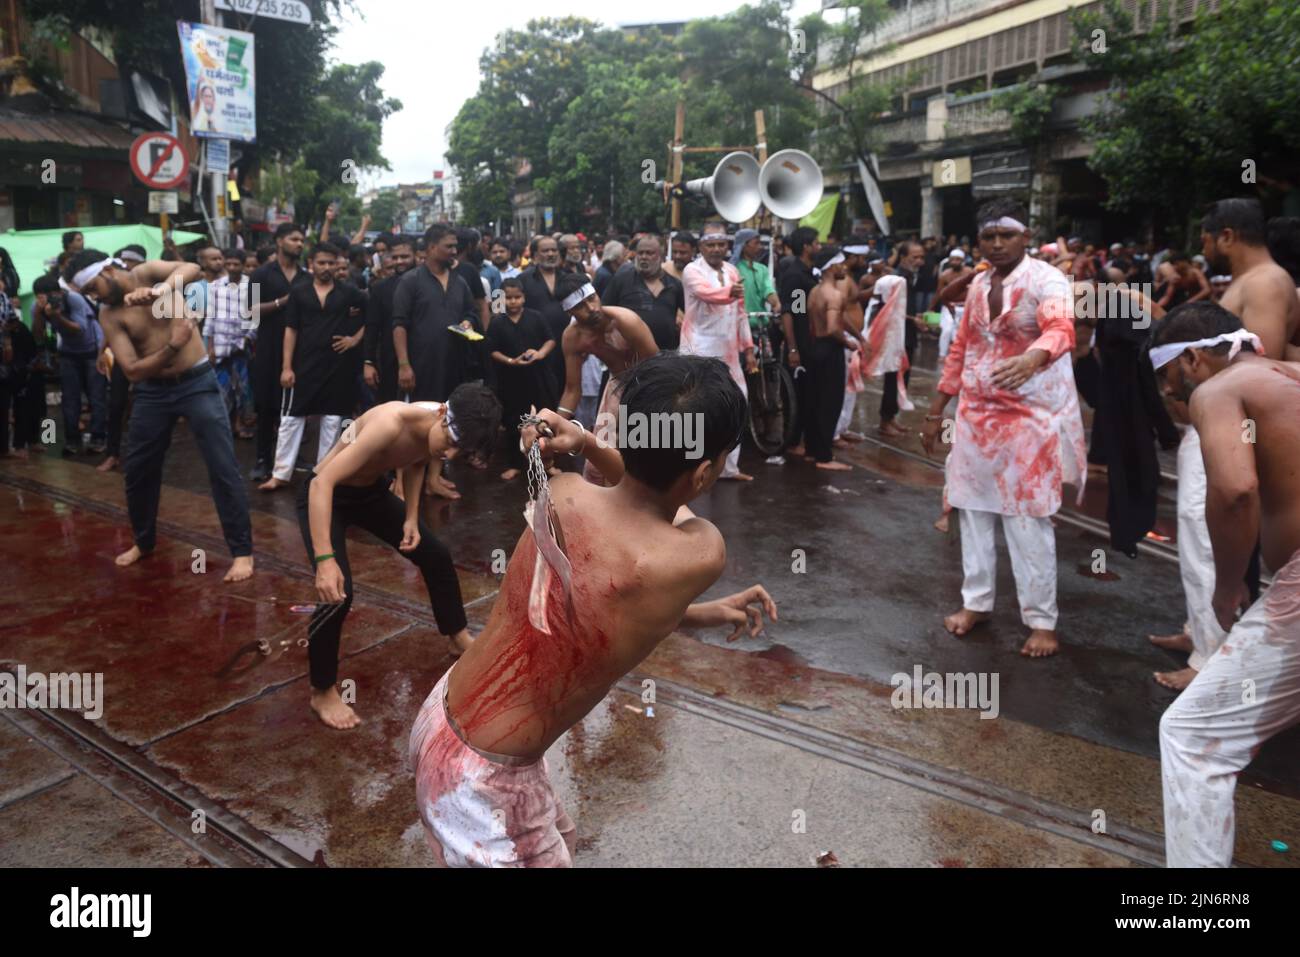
119	389
889	399
382	514
824	395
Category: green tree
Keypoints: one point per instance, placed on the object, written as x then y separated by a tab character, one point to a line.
840	50
1197	114
384	210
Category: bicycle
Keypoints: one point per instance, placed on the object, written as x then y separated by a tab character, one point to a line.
773	410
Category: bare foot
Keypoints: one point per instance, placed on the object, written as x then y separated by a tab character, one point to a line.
1179	642
331	709
272	484
1176	680
840	443
19	454
942	524
833	466
851	436
1041	644
108	465
509	475
241	570
892	431
796	450
459	643
737	477
964	620
129	557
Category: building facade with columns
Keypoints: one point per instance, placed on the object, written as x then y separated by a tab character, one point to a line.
947	144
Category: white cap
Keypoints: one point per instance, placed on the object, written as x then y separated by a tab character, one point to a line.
956	254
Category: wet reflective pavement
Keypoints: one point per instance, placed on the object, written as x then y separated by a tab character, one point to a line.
766	752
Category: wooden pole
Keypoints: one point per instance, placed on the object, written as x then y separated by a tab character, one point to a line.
760	129
675	174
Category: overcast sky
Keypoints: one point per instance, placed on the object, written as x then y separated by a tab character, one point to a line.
430	56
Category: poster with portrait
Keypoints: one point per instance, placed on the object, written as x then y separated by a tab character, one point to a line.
220	81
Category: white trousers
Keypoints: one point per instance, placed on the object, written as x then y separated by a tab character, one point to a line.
1195	554
1248	691
290	439
1032	543
850	403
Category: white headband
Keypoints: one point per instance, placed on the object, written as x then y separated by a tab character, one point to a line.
1006	222
90	272
857	250
834	261
573	298
451	425
1167	353
1220	279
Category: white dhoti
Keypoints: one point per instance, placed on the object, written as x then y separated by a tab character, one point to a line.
290	440
1195	554
1032	543
1248	691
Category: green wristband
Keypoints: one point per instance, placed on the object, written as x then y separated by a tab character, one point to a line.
321	558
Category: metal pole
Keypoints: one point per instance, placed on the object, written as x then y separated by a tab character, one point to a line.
217	181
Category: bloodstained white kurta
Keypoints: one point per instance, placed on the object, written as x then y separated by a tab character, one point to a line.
1013	449
715	324
887	335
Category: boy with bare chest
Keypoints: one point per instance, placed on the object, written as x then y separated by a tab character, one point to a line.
351	486
639	559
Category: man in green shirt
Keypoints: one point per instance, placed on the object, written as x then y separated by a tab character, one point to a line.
760	294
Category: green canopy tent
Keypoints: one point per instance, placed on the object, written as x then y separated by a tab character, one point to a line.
31	249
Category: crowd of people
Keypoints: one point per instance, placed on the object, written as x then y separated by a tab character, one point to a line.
411	351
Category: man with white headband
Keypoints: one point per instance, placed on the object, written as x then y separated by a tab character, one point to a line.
855	300
1019	433
157	347
616	336
1246	409
886	352
715	323
830	338
352	486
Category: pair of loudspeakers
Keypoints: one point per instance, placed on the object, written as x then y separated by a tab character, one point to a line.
789	184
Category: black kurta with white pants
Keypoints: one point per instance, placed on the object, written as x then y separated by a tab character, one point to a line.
325	381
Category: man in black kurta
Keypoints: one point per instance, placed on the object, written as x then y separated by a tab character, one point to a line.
651	293
381	360
429	299
270	285
539	281
324	326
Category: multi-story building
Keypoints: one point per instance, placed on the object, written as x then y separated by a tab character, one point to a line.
946	145
64	159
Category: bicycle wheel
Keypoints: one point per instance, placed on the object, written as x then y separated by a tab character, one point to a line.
768	398
789	406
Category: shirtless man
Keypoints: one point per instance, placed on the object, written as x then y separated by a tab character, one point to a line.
1263	299
1246	409
157	346
616	336
1262	293
351	486
855	301
830	337
640	559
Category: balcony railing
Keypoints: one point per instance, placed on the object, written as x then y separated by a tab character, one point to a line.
924	14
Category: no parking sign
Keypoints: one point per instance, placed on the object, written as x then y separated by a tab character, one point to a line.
159	161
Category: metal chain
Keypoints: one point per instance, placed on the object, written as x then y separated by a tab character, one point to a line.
537	475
